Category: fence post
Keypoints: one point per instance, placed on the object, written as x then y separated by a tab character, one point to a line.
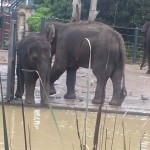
15	18
11	61
135	44
42	25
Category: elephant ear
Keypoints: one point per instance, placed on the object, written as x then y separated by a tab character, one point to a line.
50	32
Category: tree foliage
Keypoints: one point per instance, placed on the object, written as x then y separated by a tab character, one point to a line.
127	13
35	20
62	9
49	8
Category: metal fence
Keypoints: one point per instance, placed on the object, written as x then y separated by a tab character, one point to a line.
4	30
7	11
133	41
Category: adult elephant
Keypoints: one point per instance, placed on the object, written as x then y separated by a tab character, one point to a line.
146	44
33	53
72	52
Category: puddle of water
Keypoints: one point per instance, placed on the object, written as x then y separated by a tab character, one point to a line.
44	134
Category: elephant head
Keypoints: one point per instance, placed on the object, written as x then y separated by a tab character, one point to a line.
36	52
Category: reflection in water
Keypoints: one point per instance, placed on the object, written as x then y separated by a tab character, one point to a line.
36	118
44	134
12	125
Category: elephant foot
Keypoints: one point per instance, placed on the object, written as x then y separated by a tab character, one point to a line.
29	101
43	103
148	71
70	95
97	101
141	66
18	98
52	90
115	103
15	99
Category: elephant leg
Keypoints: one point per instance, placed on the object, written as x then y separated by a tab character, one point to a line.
99	92
52	89
30	82
148	71
56	71
100	88
70	82
144	56
148	58
143	61
20	83
116	78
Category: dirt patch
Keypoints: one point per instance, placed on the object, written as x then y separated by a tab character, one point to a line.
3	56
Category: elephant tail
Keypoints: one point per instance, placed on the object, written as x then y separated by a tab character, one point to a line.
123	90
122	51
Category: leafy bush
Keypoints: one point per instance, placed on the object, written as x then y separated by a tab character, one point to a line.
35	20
60	8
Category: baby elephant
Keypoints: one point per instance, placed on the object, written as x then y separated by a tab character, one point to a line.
33	60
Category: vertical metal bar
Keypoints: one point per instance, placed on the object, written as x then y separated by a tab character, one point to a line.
4	118
11	61
42	25
15	17
135	45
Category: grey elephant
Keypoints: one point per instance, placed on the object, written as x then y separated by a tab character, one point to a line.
146	44
33	53
71	52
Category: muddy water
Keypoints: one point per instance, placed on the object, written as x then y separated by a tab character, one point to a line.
44	135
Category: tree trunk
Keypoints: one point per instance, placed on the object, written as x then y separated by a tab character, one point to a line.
76	13
93	12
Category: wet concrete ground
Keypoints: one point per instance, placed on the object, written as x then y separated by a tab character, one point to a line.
137	85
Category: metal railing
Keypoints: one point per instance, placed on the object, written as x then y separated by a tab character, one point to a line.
8	11
133	41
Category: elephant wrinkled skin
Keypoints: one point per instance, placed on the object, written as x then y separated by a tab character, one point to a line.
33	53
72	51
146	44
